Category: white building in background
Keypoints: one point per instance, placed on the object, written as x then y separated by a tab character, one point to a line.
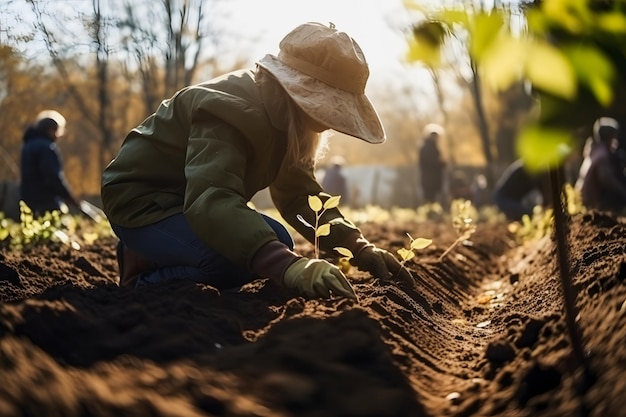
367	184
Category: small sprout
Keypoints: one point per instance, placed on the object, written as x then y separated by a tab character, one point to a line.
462	221
415	244
315	203
54	226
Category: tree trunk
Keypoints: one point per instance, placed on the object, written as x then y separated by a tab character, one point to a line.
482	126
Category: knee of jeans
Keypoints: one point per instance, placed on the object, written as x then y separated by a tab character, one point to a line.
280	230
287	240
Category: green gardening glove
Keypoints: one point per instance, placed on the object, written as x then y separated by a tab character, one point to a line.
381	264
317	278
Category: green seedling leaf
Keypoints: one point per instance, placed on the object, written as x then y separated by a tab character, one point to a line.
549	69
323	230
332	202
614	22
574	15
344	252
420	243
315	203
594	69
304	222
405	254
425	45
541	147
503	62
485	30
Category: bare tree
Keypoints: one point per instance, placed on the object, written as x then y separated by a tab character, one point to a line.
166	55
98	29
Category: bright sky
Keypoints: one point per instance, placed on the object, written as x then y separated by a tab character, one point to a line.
374	24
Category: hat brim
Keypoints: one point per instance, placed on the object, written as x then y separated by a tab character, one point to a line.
340	110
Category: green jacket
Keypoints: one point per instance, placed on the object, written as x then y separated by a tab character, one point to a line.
206	152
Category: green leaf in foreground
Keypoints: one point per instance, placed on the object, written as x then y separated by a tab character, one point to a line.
549	69
541	147
594	69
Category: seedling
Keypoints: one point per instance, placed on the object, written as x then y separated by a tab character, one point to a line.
462	222
407	254
53	226
315	203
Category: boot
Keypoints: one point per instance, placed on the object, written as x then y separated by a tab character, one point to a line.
130	265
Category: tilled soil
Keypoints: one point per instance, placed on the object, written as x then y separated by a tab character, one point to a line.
481	332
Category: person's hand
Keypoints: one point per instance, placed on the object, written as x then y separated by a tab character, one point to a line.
317	278
381	264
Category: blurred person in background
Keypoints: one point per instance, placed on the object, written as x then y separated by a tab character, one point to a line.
460	186
479	191
44	187
518	191
176	194
334	181
431	164
601	177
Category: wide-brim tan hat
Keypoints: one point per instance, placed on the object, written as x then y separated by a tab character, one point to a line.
325	72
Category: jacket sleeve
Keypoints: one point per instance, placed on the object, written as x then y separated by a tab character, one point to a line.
215	203
290	192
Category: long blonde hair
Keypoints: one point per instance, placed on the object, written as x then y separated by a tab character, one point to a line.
304	146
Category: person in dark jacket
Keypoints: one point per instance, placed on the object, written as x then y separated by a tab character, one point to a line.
431	165
517	191
334	181
177	192
601	178
44	187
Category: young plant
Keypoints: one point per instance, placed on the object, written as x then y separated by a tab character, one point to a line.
54	226
462	222
407	254
315	203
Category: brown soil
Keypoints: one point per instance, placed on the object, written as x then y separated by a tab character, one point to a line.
480	333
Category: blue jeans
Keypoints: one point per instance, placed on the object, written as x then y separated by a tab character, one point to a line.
175	252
